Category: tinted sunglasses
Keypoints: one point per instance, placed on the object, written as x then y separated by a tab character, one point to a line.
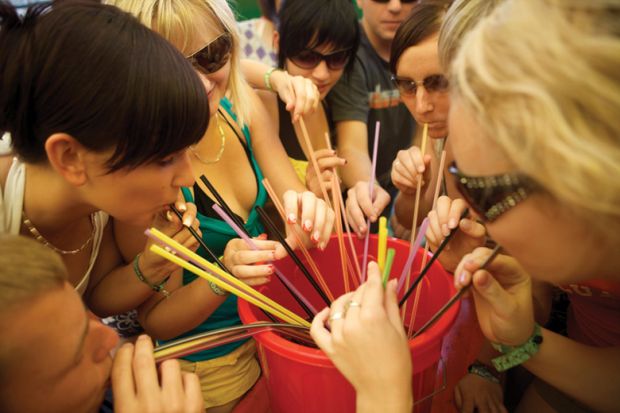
432	83
214	55
491	196
309	59
402	1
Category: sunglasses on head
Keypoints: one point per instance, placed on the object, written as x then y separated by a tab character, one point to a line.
432	83
309	59
491	196
214	55
402	1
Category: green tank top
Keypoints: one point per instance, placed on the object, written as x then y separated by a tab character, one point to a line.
216	234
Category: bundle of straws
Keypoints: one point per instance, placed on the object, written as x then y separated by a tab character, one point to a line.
353	274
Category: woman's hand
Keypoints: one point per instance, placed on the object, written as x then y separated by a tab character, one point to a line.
445	217
300	94
360	206
328	161
368	344
254	267
312	214
503	296
477	394
408	168
137	388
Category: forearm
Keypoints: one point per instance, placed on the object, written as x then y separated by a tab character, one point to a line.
587	374
254	72
384	403
120	291
186	308
404	208
358	168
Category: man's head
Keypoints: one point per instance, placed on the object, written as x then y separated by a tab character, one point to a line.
53	356
381	18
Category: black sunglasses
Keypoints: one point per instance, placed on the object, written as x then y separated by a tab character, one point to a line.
432	83
214	55
402	1
491	196
309	59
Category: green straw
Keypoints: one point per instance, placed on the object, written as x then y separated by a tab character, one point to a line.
391	252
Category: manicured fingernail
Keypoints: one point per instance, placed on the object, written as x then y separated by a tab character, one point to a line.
316	236
271	269
307	225
187	221
462	277
273	255
445	230
143	337
169	216
292	219
420	169
262	236
182	207
466	224
452	223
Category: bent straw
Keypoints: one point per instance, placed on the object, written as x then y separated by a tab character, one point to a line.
432	260
301	300
313	160
371	186
294	231
435	197
347	227
456	296
272	227
204	341
221	278
391	252
412	251
341	247
199	239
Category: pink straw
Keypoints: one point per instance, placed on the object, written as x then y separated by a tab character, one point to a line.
412	251
371	187
253	246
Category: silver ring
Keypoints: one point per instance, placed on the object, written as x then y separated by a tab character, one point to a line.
350	304
336	316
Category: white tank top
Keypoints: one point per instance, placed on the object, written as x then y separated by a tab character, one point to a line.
11	207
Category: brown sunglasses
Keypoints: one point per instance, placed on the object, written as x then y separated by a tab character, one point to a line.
214	55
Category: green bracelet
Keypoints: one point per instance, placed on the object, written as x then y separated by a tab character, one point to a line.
267	78
513	356
155	287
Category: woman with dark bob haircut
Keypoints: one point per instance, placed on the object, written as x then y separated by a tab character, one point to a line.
98	129
316	40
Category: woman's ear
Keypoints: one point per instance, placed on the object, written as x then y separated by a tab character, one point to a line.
67	157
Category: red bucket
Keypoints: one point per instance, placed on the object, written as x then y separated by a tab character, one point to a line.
302	379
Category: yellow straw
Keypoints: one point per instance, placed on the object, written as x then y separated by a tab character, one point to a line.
238	288
382	245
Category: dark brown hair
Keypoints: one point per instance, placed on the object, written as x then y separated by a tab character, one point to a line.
423	22
97	74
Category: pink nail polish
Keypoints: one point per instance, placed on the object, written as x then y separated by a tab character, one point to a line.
307	225
292	219
462	278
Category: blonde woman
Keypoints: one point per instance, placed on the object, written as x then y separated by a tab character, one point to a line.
238	149
535	141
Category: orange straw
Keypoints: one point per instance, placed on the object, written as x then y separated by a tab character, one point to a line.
312	157
347	227
298	238
341	247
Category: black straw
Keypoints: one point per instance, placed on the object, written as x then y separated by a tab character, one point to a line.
267	221
456	296
200	241
224	205
432	260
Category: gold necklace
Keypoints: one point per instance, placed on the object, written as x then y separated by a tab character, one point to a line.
37	236
222	145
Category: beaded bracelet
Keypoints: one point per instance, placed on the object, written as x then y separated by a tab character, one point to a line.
267	78
155	287
482	370
513	356
216	289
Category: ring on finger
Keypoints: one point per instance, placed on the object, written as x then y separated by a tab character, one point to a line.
337	316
